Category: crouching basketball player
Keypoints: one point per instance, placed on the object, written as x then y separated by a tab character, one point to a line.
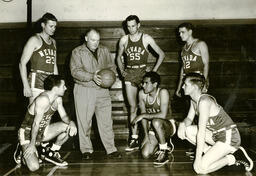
36	129
216	136
156	120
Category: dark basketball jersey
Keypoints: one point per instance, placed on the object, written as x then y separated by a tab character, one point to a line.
191	61
44	58
29	119
136	53
221	120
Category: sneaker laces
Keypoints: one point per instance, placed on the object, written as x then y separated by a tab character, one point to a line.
160	154
58	156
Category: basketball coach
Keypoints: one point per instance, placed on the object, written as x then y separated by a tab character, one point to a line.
86	61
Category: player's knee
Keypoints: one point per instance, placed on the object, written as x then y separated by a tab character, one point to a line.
64	126
33	167
156	123
189	131
202	169
145	154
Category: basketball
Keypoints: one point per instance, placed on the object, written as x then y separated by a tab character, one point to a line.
108	78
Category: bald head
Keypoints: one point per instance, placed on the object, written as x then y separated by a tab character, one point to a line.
92	39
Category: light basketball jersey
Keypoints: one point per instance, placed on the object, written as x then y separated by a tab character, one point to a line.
153	106
29	118
221	120
136	53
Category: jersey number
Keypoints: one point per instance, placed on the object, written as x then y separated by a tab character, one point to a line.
49	60
187	64
135	56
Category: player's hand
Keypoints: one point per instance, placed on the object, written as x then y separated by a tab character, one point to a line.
72	129
181	131
27	92
30	150
137	119
123	73
97	78
148	69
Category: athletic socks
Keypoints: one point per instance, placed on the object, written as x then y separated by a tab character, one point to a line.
163	146
135	136
55	147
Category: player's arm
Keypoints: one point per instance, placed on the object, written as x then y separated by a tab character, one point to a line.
186	122
25	57
121	49
204	112
71	127
164	104
205	57
77	70
178	93
41	105
157	49
143	111
56	72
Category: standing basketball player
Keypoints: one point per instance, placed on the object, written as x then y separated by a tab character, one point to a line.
216	136
194	55
36	127
156	118
40	49
135	46
90	98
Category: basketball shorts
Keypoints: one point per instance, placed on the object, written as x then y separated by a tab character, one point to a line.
24	135
134	76
229	136
36	80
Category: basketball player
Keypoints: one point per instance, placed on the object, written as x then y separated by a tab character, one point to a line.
36	128
86	61
40	49
135	46
216	136
156	119
194	55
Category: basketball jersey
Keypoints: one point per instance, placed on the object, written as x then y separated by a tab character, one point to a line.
221	120
136	53
192	62
154	106
29	119
43	59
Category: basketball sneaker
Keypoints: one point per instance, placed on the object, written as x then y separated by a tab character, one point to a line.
162	157
242	158
52	156
134	145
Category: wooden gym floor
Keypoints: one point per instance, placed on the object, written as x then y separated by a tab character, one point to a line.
130	164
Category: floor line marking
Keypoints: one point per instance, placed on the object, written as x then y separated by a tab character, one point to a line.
125	163
12	170
56	167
